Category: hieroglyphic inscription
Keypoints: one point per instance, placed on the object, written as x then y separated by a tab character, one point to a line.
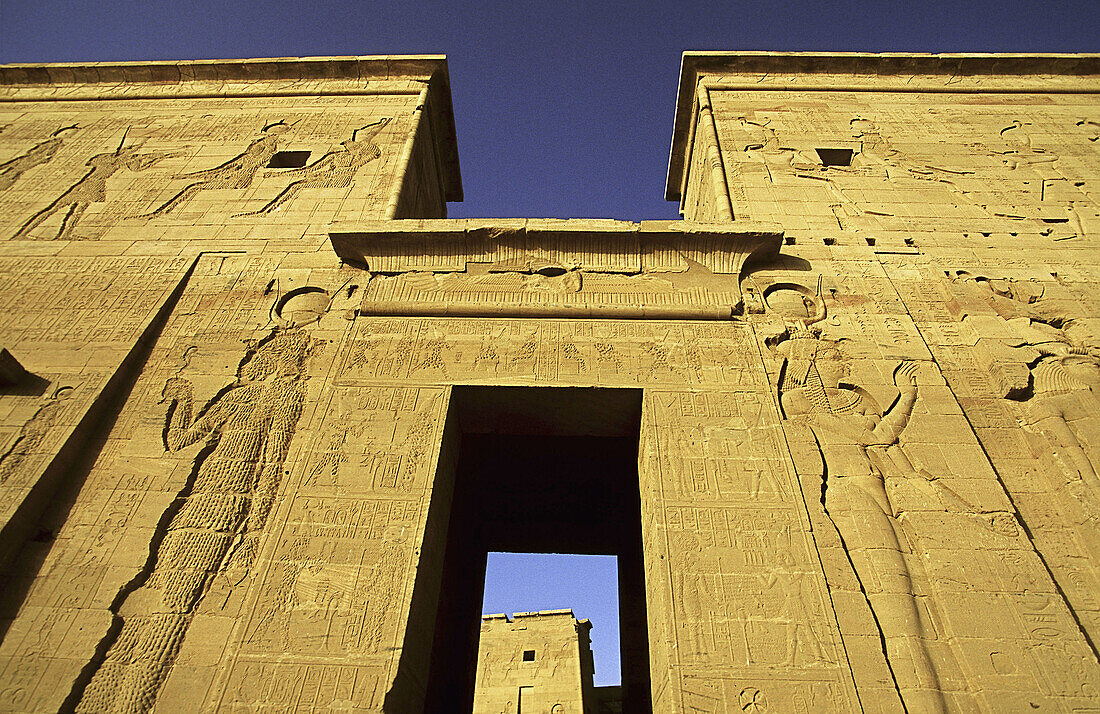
591	351
721	445
744	590
706	694
378	438
338	573
79	300
260	686
572	288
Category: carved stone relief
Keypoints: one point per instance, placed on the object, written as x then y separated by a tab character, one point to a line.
213	528
745	597
1035	408
889	505
859	448
858	427
381	438
441	350
238	172
33	434
165	168
336	169
92	188
986	169
41	153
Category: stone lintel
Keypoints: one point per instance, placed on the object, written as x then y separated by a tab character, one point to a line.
863	71
446	245
579	269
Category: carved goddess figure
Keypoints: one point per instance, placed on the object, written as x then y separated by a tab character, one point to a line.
215	522
860	450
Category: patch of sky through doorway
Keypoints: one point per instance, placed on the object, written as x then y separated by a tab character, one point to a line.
586	584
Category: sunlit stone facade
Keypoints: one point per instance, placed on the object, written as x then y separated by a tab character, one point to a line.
264	409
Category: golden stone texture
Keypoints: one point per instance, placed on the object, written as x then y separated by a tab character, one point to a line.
536	662
263	409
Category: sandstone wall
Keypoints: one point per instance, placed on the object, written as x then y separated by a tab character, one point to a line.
534	662
955	230
158	219
868	426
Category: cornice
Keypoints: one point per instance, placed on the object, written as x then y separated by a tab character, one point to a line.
370	67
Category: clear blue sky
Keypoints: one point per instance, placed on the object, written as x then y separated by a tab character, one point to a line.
563	109
586	584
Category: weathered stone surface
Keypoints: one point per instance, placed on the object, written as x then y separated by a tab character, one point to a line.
536	661
840	425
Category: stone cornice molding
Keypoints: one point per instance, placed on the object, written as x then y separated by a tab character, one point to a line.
369	67
545	268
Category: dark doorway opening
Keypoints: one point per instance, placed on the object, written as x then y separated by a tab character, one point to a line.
537	470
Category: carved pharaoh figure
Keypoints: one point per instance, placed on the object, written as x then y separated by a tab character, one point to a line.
92	188
218	518
1065	399
766	140
860	450
1061	347
1017	149
33	433
796	614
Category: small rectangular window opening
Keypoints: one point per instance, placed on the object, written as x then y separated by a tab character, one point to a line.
528	655
835	157
288	160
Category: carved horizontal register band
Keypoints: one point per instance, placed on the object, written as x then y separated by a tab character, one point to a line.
586	312
362	76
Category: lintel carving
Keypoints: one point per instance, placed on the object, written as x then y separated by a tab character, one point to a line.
588	269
